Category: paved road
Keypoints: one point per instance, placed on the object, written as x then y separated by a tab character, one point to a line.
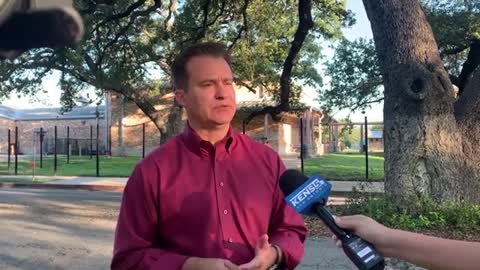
73	229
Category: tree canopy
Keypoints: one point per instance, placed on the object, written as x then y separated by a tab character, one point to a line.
129	42
356	80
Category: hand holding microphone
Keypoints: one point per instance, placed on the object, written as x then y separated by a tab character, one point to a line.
422	250
309	196
366	228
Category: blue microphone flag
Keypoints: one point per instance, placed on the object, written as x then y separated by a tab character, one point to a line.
316	188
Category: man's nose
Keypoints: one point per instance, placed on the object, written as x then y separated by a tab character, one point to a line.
221	91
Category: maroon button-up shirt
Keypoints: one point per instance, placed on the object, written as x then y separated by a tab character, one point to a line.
190	198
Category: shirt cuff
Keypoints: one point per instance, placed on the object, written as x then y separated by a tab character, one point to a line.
170	261
292	249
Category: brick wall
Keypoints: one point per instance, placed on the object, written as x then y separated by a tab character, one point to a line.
375	145
79	135
6	124
283	136
127	140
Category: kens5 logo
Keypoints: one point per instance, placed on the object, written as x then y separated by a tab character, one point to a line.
312	190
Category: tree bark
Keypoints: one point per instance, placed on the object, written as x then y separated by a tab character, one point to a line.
425	153
174	123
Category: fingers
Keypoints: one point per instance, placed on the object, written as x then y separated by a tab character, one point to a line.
253	264
338	243
230	266
263	242
350	222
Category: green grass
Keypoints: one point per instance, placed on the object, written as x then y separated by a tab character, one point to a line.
78	166
332	166
346	166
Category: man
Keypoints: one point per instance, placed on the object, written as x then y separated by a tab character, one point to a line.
208	198
425	251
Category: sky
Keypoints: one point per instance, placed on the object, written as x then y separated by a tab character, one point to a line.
360	29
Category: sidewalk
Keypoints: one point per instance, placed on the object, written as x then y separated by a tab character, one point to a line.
118	183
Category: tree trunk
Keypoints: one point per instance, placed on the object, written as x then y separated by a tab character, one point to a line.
174	123
427	150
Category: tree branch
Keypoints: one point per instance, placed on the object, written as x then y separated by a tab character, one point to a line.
133	17
244	27
453	51
171	8
274	111
472	62
304	25
121	15
202	30
366	102
246	85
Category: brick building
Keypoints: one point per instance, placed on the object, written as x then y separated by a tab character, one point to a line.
122	133
283	136
80	122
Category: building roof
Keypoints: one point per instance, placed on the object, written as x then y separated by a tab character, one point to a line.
37	114
375	134
259	104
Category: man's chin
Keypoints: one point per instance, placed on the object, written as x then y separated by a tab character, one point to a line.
221	122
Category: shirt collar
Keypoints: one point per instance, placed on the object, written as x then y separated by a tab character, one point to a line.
202	147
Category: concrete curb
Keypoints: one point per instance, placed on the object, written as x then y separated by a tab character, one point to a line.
119	188
111	188
339	188
346	193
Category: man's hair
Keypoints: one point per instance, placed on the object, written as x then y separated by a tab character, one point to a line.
179	66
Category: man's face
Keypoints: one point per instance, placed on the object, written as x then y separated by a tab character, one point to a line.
210	95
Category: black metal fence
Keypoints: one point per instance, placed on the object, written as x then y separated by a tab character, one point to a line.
354	137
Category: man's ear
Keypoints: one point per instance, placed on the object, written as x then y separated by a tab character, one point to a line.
180	96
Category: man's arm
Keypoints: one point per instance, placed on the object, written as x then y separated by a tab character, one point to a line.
137	230
433	252
425	251
287	228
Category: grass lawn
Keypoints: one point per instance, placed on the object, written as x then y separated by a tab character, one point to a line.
332	166
79	166
346	166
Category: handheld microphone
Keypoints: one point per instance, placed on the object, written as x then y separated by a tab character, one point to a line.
309	196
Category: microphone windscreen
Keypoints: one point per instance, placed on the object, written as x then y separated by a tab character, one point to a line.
290	180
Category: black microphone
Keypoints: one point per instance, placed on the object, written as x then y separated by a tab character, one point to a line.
309	196
25	25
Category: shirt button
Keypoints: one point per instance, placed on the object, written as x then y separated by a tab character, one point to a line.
221	184
230	240
225	211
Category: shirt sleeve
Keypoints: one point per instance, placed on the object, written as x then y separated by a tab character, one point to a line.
136	231
287	228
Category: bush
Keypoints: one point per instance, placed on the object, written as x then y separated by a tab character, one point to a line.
419	215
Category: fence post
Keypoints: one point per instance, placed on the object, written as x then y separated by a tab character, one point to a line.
110	140
143	140
68	144
55	151
301	143
366	148
91	141
16	150
8	150
41	148
96	152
